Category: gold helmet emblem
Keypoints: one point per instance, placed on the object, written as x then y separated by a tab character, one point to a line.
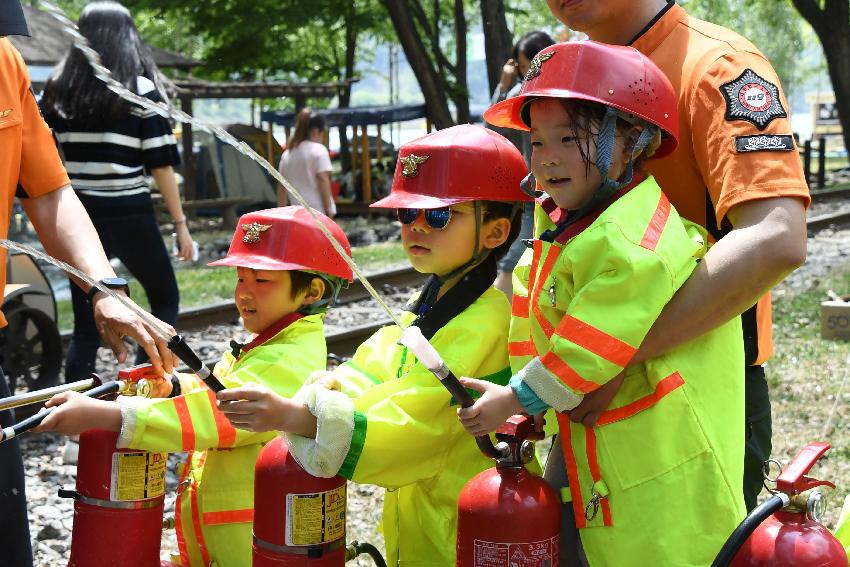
537	63
252	232
411	164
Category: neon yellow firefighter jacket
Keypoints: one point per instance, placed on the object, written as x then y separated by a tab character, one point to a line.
215	508
658	480
398	428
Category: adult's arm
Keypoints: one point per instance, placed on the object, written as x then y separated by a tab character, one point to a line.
767	243
323	180
167	184
65	230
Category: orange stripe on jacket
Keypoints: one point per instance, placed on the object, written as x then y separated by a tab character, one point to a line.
595	340
523	348
596	475
663	388
519	306
564	432
178	517
228	517
186	426
551	256
226	431
656	224
566	373
196	523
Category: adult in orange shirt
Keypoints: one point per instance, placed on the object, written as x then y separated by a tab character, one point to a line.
736	172
30	169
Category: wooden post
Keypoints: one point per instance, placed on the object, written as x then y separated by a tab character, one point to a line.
379	146
807	161
270	141
286	132
366	166
189	173
354	147
821	162
428	125
326	140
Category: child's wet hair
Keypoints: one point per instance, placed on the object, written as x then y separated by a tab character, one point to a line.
502	210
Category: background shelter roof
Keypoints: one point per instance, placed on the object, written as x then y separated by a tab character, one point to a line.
49	44
195	88
353	116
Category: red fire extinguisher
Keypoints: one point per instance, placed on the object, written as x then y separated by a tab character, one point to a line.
506	515
119	495
299	519
785	531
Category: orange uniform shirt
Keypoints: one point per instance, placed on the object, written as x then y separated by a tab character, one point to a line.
29	162
735	141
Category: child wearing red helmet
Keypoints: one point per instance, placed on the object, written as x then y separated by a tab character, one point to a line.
657	481
382	418
287	275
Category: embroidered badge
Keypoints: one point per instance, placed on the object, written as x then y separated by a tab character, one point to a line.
411	164
751	98
252	232
764	143
537	63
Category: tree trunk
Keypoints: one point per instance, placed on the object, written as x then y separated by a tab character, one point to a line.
461	90
832	25
345	95
417	56
498	41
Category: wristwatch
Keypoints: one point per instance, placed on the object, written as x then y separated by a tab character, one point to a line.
110	283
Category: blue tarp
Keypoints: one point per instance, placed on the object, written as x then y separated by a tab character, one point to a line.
352	116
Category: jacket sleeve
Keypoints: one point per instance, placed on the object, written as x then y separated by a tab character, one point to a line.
401	429
192	421
613	306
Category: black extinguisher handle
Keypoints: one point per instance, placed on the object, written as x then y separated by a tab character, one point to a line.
32	422
413	339
184	352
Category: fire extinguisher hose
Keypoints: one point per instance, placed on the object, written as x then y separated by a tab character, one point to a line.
184	352
746	528
357	548
112	387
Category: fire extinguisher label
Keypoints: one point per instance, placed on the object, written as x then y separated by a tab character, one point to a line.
543	553
137	475
316	518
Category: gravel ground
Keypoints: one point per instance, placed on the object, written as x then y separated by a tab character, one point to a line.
51	517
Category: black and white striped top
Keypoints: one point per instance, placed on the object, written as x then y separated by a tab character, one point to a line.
111	161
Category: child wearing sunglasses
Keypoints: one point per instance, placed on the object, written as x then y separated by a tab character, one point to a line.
382	418
657	480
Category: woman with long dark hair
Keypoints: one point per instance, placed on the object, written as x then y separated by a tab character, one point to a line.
306	164
109	145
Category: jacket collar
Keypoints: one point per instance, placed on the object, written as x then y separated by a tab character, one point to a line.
270	332
659	28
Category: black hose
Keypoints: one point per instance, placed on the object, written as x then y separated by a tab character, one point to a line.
185	353
461	394
745	529
371	551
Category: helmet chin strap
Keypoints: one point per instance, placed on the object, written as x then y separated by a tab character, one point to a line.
320	306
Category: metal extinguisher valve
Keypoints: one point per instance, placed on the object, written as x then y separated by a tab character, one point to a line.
514	441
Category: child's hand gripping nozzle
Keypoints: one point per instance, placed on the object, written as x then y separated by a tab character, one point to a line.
133	381
785	530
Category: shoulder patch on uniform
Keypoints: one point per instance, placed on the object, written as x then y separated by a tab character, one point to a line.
751	98
764	143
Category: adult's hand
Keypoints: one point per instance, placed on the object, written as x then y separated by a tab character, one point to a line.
596	402
510	71
115	321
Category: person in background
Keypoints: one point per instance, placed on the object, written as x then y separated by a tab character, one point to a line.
108	146
306	164
510	83
30	168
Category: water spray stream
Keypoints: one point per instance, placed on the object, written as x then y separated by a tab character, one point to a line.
163	109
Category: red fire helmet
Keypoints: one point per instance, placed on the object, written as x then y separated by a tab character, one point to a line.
454	165
613	75
287	238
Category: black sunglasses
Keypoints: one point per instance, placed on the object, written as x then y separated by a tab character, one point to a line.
438	219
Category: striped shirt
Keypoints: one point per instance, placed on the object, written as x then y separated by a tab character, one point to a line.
111	160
